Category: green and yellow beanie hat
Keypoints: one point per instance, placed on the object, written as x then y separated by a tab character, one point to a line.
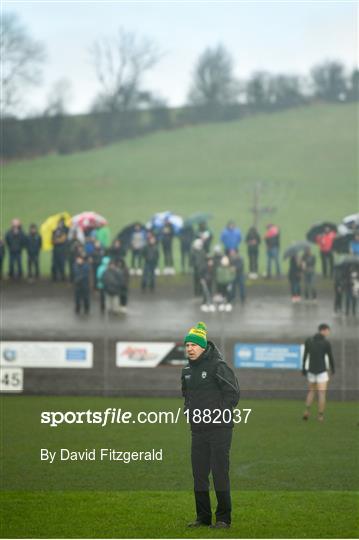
198	334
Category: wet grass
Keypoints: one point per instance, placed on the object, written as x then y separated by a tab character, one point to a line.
290	479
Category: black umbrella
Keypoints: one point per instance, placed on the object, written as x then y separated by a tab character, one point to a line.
125	234
295	248
318	229
341	243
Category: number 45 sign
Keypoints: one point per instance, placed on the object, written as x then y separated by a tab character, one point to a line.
11	379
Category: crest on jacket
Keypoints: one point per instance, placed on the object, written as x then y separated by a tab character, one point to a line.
204	374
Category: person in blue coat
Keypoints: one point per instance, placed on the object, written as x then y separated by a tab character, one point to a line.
354	244
231	237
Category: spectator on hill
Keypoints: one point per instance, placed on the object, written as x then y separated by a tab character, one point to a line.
325	243
99	280
217	255
351	288
150	257
75	249
308	265
354	244
59	242
239	281
225	277
112	283
198	261
89	246
186	237
138	242
205	234
117	251
82	285
272	240
2	256
207	277
167	238
253	240
338	289
16	241
96	259
231	237
125	278
33	246
295	276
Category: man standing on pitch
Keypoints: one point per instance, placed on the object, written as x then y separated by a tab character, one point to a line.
210	390
317	361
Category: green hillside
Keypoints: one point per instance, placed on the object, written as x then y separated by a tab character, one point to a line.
307	157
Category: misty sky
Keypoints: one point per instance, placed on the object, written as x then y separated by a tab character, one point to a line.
276	36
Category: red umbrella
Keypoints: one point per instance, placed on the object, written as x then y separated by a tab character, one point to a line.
88	220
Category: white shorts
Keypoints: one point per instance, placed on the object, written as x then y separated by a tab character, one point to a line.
318	377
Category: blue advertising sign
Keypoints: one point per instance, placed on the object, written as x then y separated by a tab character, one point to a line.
268	355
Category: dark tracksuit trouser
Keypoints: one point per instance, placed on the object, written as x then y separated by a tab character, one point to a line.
210	453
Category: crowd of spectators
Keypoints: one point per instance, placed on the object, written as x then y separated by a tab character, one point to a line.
219	274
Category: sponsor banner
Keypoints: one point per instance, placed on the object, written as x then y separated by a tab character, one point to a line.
176	357
141	353
11	379
46	354
268	355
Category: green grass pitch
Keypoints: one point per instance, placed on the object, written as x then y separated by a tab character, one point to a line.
290	479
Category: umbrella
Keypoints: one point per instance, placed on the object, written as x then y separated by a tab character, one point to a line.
126	233
295	248
349	260
318	229
199	217
342	242
48	227
158	220
88	220
351	221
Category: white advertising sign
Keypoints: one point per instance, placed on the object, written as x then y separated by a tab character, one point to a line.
46	354
11	379
141	354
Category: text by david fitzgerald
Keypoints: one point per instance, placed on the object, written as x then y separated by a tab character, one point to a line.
100	454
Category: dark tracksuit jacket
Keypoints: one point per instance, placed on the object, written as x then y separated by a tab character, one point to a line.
316	352
208	383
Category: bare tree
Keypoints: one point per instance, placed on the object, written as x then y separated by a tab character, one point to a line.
286	91
120	65
354	85
258	89
213	80
58	98
268	196
329	81
22	58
